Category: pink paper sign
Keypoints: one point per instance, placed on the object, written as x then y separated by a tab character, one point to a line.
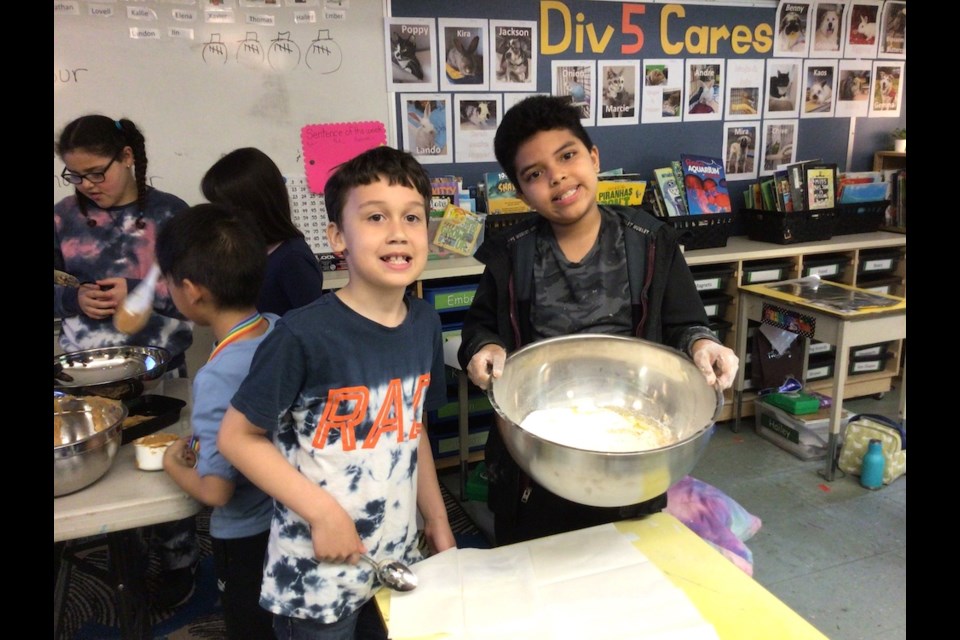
327	145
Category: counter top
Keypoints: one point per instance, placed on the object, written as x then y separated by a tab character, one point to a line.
126	497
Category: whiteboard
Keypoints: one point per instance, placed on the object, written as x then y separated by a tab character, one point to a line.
231	85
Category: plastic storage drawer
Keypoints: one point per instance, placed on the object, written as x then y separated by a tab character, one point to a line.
878	261
765	271
450	298
819	369
889	285
818	348
709	279
870	364
716	304
828	266
445	444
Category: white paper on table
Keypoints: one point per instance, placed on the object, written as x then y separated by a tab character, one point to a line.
581	584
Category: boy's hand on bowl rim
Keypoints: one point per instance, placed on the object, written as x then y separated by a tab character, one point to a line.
718	363
486	364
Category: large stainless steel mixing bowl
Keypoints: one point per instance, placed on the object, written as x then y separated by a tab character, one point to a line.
625	374
86	440
121	372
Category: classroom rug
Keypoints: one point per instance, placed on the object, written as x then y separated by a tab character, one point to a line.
90	605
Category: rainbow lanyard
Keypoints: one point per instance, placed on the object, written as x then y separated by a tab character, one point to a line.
239	330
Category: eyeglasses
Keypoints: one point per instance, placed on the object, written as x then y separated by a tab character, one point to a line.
94	177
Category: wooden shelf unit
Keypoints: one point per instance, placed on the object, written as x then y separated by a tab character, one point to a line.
883	160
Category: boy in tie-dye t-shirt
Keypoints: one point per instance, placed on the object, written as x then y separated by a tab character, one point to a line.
329	420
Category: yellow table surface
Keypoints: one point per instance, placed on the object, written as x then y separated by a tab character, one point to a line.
736	605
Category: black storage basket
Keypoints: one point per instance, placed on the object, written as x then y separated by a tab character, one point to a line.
498	222
791	227
860	217
704	231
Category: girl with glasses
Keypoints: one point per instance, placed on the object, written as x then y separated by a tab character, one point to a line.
104	234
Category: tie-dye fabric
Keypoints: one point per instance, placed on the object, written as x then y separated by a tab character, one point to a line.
114	247
344	399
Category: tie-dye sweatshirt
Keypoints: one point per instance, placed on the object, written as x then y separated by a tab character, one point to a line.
114	247
343	398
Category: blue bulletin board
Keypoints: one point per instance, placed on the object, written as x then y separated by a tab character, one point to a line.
598	32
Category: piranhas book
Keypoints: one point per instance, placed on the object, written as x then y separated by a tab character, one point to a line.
705	183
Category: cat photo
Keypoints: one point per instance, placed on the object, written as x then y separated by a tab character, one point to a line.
782	87
411	54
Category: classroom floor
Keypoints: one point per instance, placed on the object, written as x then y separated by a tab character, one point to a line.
836	553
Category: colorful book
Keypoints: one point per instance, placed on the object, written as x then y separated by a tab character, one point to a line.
678	176
624	190
705	183
798	191
459	230
783	190
502	195
768	190
669	191
821	185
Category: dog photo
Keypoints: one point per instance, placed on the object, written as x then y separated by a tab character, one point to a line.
792	28
887	86
893	40
619	92
828	21
740	150
854	85
513	65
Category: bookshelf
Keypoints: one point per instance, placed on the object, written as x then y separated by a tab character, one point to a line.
887	160
740	257
883	160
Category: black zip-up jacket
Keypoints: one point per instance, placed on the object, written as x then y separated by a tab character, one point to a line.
666	309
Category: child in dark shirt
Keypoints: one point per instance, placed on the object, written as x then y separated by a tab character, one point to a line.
579	267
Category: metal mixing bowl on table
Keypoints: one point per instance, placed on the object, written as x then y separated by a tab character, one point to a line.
86	438
644	382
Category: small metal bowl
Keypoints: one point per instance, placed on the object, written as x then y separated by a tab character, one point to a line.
639	377
121	373
86	439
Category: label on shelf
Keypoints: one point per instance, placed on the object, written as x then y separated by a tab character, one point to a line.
885	264
825	270
709	284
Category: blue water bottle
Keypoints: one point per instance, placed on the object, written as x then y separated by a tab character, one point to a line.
871	472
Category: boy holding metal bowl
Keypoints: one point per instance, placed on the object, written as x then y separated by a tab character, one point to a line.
578	268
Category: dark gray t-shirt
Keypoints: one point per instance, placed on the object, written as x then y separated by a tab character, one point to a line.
590	296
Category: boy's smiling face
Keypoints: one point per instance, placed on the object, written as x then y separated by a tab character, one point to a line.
383	234
558	176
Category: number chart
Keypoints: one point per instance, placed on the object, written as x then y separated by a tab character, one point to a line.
309	213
